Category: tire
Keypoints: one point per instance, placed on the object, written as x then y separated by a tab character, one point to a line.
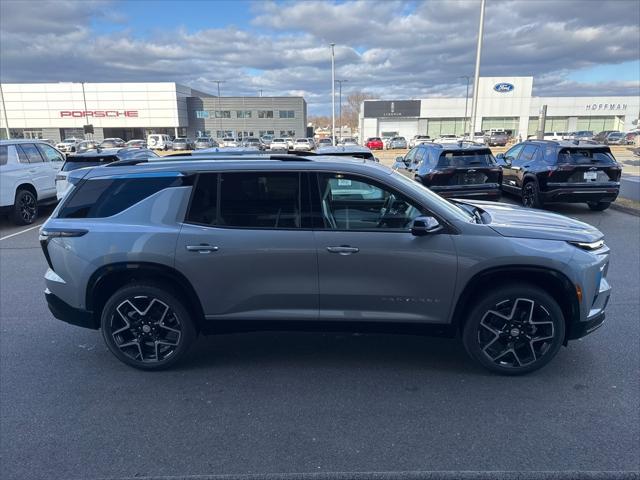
147	327
599	206
514	329
25	208
531	195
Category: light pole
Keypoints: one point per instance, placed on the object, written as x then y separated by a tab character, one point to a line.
333	95
4	111
219	107
476	79
340	82
84	99
466	103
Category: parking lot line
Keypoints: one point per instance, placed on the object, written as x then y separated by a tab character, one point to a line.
21	231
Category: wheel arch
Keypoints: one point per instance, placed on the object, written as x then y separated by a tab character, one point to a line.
26	186
551	281
109	278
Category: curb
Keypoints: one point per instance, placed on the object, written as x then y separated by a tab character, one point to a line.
625	209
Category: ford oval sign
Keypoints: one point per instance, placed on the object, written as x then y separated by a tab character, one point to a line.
503	87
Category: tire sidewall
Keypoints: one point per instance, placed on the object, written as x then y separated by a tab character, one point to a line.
161	293
470	338
536	203
17	214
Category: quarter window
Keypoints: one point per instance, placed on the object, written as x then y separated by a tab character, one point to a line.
107	197
353	203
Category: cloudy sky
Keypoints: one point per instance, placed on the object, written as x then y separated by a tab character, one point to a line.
390	49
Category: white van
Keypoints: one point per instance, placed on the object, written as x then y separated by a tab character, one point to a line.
159	141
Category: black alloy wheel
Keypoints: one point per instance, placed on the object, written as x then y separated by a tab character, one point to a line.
531	195
514	331
598	206
146	327
25	208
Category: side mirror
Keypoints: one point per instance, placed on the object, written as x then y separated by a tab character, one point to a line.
422	226
500	156
401	159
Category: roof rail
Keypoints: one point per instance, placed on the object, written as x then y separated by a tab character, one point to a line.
284	157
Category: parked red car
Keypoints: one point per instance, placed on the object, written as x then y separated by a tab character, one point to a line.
374	143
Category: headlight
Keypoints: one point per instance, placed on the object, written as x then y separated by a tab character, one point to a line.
588	246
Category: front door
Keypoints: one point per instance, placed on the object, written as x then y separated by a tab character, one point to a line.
509	170
371	268
244	250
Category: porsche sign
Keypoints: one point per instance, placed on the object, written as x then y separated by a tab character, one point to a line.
98	113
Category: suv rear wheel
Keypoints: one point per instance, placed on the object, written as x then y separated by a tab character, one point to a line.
598	206
531	194
25	208
514	330
146	327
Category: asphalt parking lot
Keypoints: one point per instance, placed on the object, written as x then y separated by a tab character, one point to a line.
286	403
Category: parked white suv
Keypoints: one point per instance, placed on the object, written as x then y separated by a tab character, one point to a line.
68	144
159	141
28	170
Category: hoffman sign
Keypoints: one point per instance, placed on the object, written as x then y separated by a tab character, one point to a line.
98	113
396	108
606	106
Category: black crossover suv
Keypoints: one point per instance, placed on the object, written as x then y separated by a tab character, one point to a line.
460	170
541	171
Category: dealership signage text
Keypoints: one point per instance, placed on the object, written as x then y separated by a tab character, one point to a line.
98	113
607	106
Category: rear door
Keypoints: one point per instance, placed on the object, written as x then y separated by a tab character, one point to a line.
244	248
521	165
40	173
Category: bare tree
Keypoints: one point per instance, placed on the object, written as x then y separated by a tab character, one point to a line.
351	110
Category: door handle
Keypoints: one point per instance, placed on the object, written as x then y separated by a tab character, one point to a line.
202	248
343	250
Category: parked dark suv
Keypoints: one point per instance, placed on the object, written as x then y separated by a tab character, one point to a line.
154	254
542	171
460	170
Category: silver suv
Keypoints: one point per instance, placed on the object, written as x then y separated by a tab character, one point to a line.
155	253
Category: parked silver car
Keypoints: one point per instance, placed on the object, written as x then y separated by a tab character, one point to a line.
397	142
155	253
205	142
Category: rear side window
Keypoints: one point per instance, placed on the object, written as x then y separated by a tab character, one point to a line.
106	197
4	154
31	153
247	200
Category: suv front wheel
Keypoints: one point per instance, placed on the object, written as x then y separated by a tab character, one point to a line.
514	330
146	327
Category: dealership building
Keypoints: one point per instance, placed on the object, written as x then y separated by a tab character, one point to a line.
134	110
503	103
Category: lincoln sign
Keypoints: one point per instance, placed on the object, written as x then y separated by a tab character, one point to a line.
98	113
397	108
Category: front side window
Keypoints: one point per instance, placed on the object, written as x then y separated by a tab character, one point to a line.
30	153
50	153
247	200
513	153
349	202
528	154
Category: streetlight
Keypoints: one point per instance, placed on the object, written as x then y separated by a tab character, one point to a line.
4	110
219	107
466	102
333	95
476	79
340	82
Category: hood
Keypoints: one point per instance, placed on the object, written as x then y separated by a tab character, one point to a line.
515	221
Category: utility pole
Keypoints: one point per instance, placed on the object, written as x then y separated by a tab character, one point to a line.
219	107
4	111
260	92
476	79
333	95
466	103
340	82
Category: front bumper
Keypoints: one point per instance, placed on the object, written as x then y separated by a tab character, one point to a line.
65	312
578	193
